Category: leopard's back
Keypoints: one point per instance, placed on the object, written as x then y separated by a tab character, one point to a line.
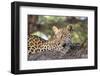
34	42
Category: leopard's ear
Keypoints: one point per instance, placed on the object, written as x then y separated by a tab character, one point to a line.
70	28
55	29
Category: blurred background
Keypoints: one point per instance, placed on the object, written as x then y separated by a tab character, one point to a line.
42	26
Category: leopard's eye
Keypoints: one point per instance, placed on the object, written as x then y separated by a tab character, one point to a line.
64	45
58	43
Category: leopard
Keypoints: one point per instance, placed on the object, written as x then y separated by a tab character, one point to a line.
60	40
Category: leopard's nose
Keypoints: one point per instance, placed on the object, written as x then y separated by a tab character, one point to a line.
70	45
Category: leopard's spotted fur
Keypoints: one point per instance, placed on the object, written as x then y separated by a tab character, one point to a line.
61	40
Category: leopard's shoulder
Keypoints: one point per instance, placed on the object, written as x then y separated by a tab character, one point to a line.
35	40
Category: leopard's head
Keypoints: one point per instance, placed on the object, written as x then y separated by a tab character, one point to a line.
63	35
